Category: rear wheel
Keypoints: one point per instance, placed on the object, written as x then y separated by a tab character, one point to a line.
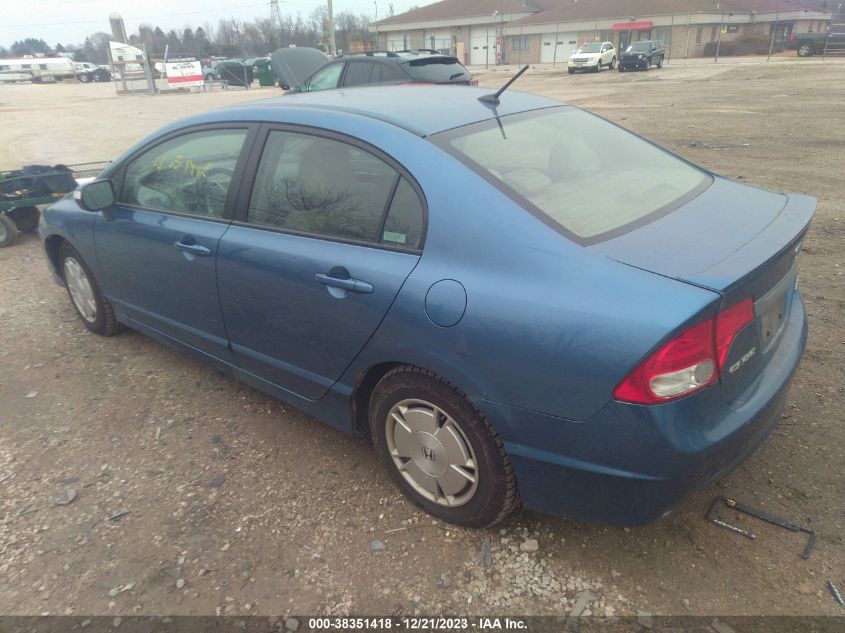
25	218
612	64
660	63
805	50
85	294
440	450
8	230
84	78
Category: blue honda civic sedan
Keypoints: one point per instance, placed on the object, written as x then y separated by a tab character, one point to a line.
517	301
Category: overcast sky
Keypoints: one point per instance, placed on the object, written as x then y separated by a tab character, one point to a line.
70	21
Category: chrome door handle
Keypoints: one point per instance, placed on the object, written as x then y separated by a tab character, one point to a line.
193	249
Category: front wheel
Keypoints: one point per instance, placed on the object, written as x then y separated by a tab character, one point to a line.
571	71
84	78
805	50
440	450
8	230
85	294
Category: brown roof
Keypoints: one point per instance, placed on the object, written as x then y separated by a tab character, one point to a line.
573	10
551	11
447	9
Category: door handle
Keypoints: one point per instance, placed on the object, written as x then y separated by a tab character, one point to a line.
193	249
350	285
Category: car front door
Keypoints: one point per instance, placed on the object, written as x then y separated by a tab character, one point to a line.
156	247
322	245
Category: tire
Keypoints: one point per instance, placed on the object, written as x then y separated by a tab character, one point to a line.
96	313
84	77
660	63
8	230
571	71
25	218
612	63
805	50
431	415
620	69
598	67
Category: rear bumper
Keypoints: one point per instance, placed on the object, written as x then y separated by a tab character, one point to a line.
632	464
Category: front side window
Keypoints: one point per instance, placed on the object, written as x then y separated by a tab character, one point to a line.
187	174
320	186
583	173
326	78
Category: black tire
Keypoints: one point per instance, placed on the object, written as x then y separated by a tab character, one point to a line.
104	323
805	50
84	77
8	230
571	71
25	218
495	496
620	69
660	63
612	63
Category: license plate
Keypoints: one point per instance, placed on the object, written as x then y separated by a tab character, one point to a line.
771	321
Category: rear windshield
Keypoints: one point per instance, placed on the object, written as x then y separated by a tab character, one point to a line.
438	70
585	175
590	48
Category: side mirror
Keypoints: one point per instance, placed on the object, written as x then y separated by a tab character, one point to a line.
95	196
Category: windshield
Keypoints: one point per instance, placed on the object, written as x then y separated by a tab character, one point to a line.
587	175
438	70
590	48
639	47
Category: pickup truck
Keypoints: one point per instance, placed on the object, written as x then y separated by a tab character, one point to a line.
814	43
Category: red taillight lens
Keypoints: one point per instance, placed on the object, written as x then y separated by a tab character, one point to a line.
689	362
792	37
729	322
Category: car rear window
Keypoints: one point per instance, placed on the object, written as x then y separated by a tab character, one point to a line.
582	174
439	70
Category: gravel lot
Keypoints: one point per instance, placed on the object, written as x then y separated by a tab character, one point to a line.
234	503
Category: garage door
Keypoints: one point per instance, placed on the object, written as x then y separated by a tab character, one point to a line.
440	41
397	42
482	43
565	43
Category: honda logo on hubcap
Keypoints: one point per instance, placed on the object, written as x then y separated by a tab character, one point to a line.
428	453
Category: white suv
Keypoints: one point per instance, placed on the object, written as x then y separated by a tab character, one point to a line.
593	57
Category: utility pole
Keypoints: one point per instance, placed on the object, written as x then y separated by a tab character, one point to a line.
774	32
332	47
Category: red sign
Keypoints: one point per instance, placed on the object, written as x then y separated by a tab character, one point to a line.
632	26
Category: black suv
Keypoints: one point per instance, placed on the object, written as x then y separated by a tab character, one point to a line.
641	55
372	68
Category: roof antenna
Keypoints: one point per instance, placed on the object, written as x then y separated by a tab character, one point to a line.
494	98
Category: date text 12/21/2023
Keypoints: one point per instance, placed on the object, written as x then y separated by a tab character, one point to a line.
420	623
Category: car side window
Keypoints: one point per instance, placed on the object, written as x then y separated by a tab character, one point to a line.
316	185
404	223
187	174
359	73
392	74
325	78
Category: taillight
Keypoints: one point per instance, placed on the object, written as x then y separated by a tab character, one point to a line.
792	37
728	324
689	362
473	82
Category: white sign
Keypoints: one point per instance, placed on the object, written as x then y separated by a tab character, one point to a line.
181	74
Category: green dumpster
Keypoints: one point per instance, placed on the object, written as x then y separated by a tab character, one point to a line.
264	72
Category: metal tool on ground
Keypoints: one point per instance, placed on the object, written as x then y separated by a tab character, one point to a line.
763	516
835	592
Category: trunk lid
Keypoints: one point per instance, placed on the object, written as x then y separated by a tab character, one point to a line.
737	240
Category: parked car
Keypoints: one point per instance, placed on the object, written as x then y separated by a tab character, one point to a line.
86	72
593	57
309	72
642	55
514	299
807	44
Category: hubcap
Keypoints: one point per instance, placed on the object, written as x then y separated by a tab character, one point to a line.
3	232
431	452
80	290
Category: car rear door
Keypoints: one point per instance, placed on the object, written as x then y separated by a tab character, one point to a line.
324	240
156	247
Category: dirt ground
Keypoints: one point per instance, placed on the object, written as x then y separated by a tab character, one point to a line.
234	503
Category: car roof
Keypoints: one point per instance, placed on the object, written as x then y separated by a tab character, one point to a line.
421	109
